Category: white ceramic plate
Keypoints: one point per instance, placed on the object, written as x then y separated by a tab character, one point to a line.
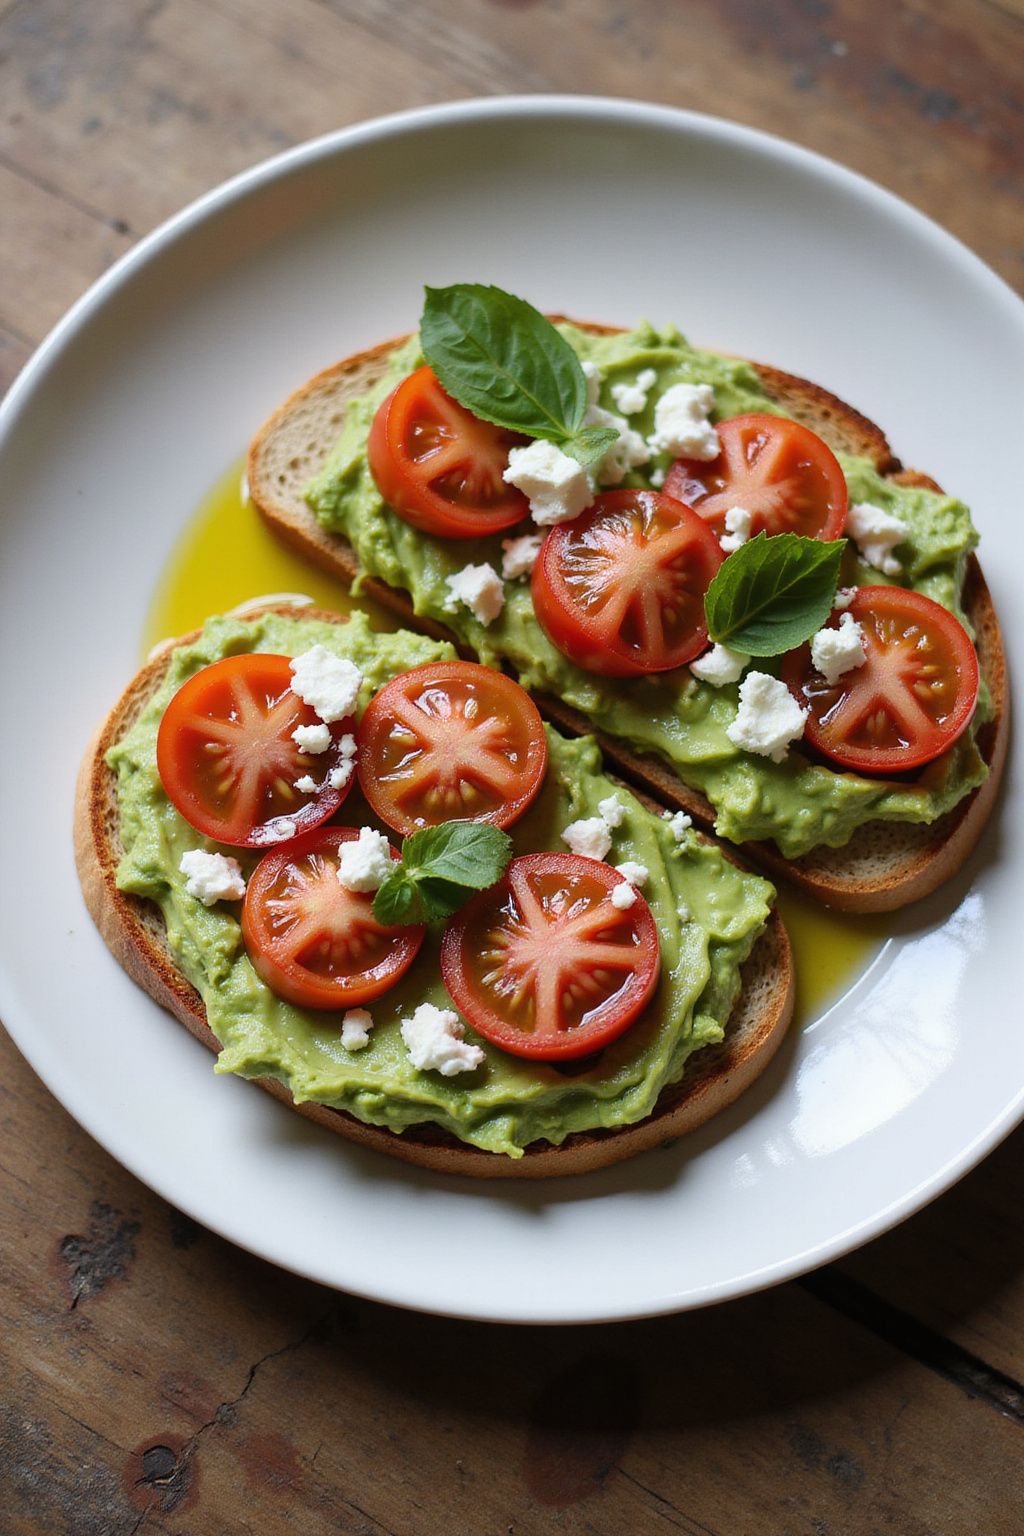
154	382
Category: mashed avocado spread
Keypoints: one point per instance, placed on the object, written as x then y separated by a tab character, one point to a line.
708	915
797	803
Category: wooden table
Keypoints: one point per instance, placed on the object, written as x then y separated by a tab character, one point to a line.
155	1378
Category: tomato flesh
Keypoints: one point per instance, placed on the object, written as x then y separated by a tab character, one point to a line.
451	741
227	759
778	470
910	700
620	589
438	466
543	965
313	942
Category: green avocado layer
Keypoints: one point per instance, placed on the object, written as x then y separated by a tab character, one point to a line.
708	915
671	715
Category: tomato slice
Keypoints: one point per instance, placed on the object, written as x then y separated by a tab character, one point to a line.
909	701
779	471
451	741
313	942
620	589
438	466
227	759
543	965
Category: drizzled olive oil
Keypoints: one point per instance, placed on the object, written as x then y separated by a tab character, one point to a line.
227	555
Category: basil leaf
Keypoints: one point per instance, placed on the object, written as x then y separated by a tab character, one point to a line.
501	359
439	870
590	444
773	594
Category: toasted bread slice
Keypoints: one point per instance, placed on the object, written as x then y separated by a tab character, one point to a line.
134	931
884	865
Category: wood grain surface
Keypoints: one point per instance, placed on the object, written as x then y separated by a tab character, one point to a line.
154	1378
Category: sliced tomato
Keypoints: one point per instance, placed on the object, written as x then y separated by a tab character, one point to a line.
438	466
313	942
909	701
451	741
227	759
543	965
779	471
620	589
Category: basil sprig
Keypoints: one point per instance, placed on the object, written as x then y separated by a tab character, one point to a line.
440	869
773	594
500	358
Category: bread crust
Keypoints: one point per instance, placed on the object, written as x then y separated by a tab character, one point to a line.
885	865
133	930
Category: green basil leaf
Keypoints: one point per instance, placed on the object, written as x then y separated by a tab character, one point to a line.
773	594
442	897
467	853
501	359
399	901
590	444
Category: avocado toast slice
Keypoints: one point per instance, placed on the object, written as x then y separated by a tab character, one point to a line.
885	863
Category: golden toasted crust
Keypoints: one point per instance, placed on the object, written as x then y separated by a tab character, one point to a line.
884	865
134	931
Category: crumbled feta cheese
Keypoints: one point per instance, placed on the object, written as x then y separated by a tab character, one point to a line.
212	877
657	478
681	424
769	717
520	555
737	529
355	1029
365	863
327	683
339	777
556	485
279	831
636	874
623	896
678	823
631	398
593	376
307	785
876	533
480	588
347	745
312	739
589	837
611	811
835	651
628	451
719	666
844	597
434	1039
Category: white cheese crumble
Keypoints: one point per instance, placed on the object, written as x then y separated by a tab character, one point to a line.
212	877
307	785
769	717
611	811
312	739
631	398
844	597
876	534
589	837
364	865
719	666
681	423
835	651
737	529
629	450
480	588
355	1029
520	555
329	684
339	777
434	1039
678	823
657	478
557	487
636	874
623	896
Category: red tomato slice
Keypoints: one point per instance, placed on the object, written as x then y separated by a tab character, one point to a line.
227	759
314	943
543	965
451	741
620	589
781	472
438	466
910	700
